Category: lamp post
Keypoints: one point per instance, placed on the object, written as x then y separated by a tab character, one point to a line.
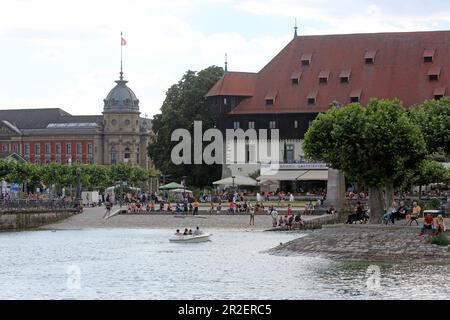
78	197
185	200
233	177
184	186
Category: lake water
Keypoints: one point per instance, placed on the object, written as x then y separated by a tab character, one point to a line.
142	264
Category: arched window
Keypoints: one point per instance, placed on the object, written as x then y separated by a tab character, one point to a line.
113	155
127	154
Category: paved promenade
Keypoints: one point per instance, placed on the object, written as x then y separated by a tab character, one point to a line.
367	243
93	218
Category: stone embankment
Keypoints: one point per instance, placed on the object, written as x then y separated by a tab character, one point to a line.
366	243
22	221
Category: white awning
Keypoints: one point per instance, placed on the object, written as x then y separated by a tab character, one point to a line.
287	175
237	181
314	175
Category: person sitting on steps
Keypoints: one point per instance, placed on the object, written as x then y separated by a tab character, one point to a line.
428	224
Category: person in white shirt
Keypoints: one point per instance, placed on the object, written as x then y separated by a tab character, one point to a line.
197	232
274	214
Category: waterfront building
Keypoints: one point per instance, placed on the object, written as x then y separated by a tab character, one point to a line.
42	136
313	73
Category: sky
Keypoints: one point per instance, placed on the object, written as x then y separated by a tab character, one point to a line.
66	53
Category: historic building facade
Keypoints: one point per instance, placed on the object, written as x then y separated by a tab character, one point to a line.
43	136
313	73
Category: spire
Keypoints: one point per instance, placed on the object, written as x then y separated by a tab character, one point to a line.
295	29
226	62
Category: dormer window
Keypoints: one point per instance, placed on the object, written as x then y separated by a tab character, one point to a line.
369	57
306	59
434	73
295	78
270	98
439	93
345	76
312	98
428	56
127	102
355	96
323	76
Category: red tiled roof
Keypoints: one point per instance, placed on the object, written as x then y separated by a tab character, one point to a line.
234	84
399	71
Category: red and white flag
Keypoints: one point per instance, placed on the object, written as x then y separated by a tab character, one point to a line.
123	42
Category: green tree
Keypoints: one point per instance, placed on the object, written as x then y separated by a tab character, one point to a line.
25	173
373	145
433	117
185	103
428	172
5	169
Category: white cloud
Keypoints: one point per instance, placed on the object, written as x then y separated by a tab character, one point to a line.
66	53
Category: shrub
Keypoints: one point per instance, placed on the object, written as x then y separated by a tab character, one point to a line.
440	240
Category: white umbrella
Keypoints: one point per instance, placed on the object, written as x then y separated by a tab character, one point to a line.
180	191
238	181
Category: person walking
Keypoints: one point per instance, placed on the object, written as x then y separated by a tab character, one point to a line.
252	216
108	210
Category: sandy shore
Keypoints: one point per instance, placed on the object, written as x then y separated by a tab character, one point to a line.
93	218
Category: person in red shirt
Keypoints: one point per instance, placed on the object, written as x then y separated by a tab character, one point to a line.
428	223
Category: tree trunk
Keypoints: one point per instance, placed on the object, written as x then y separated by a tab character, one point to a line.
420	192
376	205
389	194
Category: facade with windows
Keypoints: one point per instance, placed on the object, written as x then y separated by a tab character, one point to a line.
44	136
313	73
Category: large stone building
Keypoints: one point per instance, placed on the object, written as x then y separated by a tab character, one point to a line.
314	72
43	136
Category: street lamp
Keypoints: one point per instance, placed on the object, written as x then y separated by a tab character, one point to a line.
233	177
185	199
184	185
78	198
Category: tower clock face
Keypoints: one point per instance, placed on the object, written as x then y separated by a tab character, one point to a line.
127	122
114	122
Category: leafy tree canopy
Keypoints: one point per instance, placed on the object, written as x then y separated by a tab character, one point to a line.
185	103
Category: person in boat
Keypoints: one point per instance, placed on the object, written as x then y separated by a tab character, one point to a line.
197	232
178	233
186	232
190	232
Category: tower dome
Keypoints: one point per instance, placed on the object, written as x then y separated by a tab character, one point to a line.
121	99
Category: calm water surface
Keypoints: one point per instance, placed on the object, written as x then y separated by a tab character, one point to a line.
142	264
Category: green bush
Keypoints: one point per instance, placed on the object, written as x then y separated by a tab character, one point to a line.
435	203
440	240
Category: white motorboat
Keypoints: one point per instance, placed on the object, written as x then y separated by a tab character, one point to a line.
190	238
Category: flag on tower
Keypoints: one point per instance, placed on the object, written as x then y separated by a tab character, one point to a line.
123	42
